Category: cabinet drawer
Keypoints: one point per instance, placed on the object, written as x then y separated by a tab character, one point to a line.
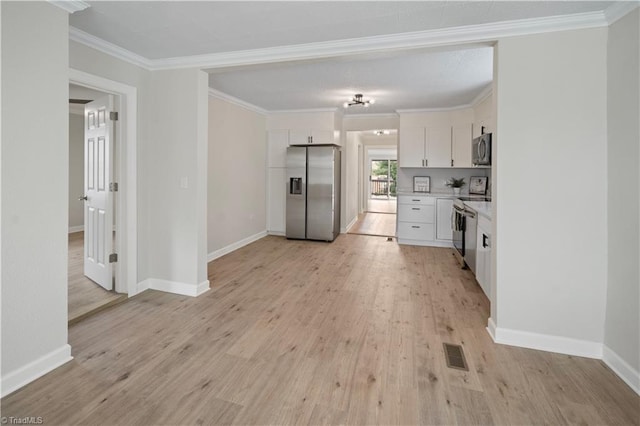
416	213
416	199
416	231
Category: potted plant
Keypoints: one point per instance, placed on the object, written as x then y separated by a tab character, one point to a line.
456	184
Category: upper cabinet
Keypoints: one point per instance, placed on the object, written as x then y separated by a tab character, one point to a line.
461	146
437	146
412	150
313	137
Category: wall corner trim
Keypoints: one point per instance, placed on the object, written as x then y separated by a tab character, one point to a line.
239	102
545	342
34	370
622	369
174	287
619	10
346	229
235	246
70	6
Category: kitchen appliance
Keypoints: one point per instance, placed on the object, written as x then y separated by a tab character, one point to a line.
481	150
464	224
313	192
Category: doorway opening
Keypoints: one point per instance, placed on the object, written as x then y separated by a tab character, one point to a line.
382	186
86	296
377	188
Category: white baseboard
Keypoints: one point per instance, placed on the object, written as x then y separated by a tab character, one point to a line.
544	342
277	233
346	229
78	228
445	244
622	369
491	328
173	287
35	369
235	246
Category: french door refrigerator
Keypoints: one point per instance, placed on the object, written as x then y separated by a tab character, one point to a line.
313	192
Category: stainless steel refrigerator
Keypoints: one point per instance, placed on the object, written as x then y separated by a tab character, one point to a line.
313	192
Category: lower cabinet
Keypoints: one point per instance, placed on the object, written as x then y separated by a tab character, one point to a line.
483	255
417	221
276	200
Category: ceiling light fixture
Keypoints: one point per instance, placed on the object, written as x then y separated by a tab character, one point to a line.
358	99
381	132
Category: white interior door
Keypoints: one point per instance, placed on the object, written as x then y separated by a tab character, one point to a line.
98	211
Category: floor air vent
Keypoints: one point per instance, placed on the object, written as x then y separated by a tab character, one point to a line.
455	357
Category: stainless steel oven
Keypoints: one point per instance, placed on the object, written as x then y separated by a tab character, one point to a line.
464	224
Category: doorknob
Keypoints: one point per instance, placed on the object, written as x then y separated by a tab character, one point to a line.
85	198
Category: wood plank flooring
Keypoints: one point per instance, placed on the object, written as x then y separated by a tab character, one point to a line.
84	296
300	332
380	224
382	205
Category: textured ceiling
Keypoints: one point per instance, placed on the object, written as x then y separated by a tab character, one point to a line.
436	79
182	28
401	80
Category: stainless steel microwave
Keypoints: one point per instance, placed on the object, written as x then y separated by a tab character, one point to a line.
481	150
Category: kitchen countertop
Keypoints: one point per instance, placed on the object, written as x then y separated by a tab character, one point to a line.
447	194
483	208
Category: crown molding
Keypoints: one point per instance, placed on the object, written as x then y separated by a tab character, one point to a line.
70	6
376	115
419	39
239	102
410	40
109	48
445	109
297	111
486	92
619	9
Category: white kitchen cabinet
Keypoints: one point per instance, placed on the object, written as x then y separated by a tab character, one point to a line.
312	137
443	219
461	146
411	152
277	143
438	146
417	221
483	255
276	200
434	147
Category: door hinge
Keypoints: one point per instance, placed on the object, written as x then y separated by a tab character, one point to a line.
113	257
113	115
113	187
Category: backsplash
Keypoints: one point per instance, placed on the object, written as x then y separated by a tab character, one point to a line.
439	177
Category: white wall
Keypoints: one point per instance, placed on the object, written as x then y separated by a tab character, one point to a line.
551	200
236	174
177	176
370	122
35	158
350	177
622	327
76	170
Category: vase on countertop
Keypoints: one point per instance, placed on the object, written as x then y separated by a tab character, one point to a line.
456	191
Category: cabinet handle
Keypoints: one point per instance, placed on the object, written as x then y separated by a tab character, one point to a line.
415	208
452	162
415	226
484	241
426	162
414	200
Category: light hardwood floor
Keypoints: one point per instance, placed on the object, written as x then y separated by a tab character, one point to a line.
84	296
300	332
382	205
380	224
